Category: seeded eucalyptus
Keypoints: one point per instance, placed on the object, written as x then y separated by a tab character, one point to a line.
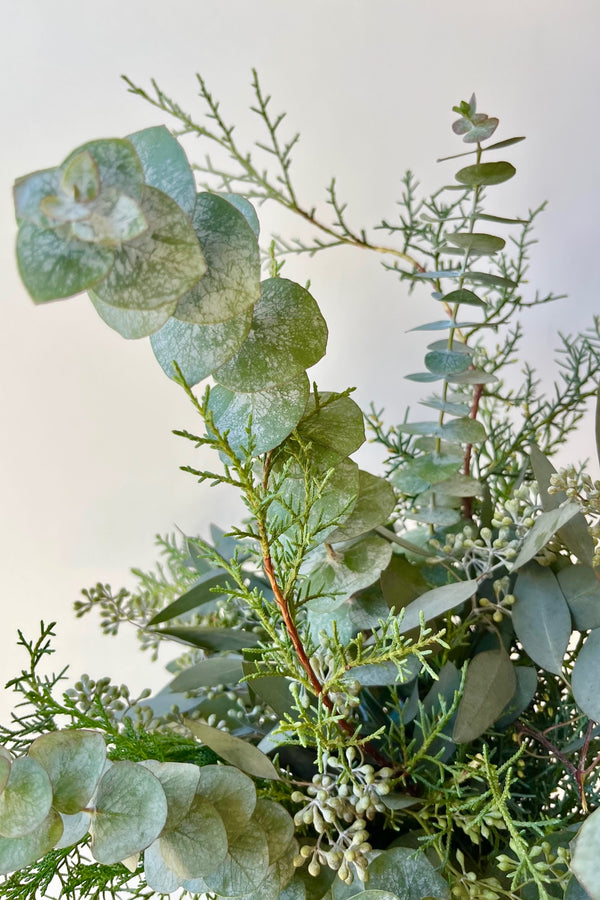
388	683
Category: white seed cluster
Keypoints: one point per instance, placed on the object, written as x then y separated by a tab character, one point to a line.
325	667
338	804
115	700
583	489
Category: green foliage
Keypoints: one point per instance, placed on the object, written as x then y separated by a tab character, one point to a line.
387	681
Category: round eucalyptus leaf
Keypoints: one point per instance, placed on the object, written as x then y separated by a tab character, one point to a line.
74	761
26	799
275	412
198	349
231	285
118	165
81	177
198	844
130	812
465	430
29	192
75	828
162	264
53	266
159	877
16	853
476	242
334	428
245	867
277	825
288	335
375	504
132	323
5	765
113	219
179	782
231	792
447	362
247	210
346	569
165	165
485	173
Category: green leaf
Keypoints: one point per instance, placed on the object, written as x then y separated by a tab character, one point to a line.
277	825
476	242
341	572
165	165
441	325
201	593
232	794
231	285
158	876
489	279
432	427
584	680
419	473
402	582
598	425
212	639
485	173
26	799
447	362
161	265
457	347
490	684
217	670
584	861
197	845
375	504
75	829
74	761
29	192
527	680
118	164
5	764
502	220
440	517
113	219
373	674
130	812
544	527
245	866
334	429
436	602
574	533
132	323
271	689
458	486
247	210
472	376
275	413
463	296
288	335
16	853
406	873
235	751
465	430
53	266
541	617
199	349
179	782
454	408
581	590
81	177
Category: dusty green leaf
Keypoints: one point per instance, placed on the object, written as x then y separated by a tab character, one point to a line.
275	413
53	266
26	799
74	761
197	845
132	323
5	764
476	242
489	279
216	670
447	362
287	336
334	429
375	504
235	751
165	165
527	679
231	285
212	639
407	874
472	376
202	592
458	486
490	684
179	782
277	825
75	829
81	177
541	617
130	812
402	582
485	173
462	296
454	407
16	853
581	590
118	164
584	680
161	265
157	874
441	325
198	349
584	861
245	867
341	571
544	527
436	602
29	192
247	210
232	793
465	430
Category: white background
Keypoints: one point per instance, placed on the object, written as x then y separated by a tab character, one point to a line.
89	468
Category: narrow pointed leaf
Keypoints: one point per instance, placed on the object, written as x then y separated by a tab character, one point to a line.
581	589
218	670
463	296
235	751
541	617
584	680
490	280
212	639
201	593
490	684
544	527
436	602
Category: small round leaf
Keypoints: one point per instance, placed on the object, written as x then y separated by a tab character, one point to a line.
179	782
277	824
245	867
26	799
74	761
132	323
16	853
198	844
230	791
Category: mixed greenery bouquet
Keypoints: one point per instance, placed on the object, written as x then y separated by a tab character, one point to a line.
387	686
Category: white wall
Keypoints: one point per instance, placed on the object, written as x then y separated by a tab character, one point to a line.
89	467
